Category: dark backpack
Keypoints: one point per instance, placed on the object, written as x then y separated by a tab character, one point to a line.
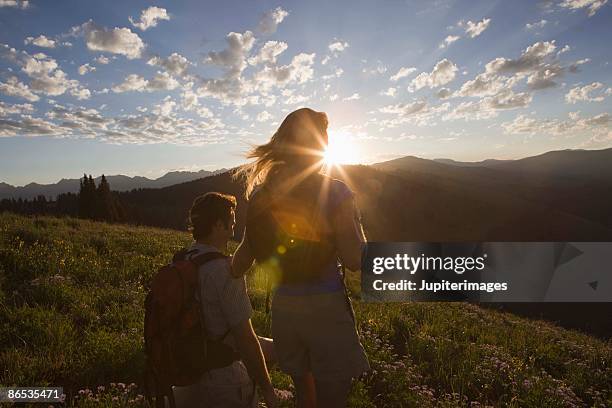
177	348
293	230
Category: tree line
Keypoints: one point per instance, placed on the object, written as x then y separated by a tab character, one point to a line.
91	202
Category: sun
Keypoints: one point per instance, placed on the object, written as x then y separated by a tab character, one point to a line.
341	149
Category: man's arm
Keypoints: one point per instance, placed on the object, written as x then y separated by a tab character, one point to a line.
253	358
242	259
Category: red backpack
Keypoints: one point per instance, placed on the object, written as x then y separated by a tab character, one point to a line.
177	348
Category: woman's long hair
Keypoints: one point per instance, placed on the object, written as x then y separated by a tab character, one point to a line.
297	147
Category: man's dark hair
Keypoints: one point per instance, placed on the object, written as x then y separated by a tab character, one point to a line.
207	209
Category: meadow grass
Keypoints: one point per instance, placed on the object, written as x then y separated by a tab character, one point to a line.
71	314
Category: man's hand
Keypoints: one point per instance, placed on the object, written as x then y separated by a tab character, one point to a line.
269	397
250	351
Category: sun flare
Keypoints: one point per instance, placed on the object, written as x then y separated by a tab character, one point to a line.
341	149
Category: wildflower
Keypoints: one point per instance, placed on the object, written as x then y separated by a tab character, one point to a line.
284	395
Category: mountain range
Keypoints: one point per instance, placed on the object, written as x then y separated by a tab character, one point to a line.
117	183
557	196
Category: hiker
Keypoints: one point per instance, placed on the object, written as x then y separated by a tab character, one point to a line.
300	223
226	314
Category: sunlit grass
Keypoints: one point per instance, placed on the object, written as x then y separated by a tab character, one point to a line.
71	314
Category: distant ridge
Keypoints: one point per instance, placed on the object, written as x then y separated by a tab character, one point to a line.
117	183
570	163
482	163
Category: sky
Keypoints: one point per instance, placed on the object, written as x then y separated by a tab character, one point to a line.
146	87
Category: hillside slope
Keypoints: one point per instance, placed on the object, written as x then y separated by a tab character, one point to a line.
429	204
71	307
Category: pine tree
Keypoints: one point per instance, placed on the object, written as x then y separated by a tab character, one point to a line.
104	201
87	197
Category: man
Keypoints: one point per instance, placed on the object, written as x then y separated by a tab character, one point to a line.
226	311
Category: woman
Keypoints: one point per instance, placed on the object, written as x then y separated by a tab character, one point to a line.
300	224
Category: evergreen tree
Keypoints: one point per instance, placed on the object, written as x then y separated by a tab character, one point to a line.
105	210
87	197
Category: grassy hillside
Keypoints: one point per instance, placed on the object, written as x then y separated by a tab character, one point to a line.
71	314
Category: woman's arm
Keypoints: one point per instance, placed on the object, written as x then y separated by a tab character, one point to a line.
242	259
349	234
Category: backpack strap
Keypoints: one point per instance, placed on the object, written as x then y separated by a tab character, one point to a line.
223	353
207	257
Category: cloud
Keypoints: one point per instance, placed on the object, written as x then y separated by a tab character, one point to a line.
545	77
149	17
40	41
16	109
379	69
132	82
529	125
475	29
575	67
80	93
227	90
165	108
46	77
336	74
490	106
299	71
591	5
268	53
291	98
536	26
338	46
85	121
403	72
444	93
418	112
538	64
159	126
405	109
114	40
269	21
391	91
536	61
102	60
263	116
21	4
578	93
448	41
162	81
189	100
233	58
30	126
353	97
442	73
483	85
563	50
12	87
85	68
175	64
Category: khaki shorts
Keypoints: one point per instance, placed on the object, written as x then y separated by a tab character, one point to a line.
317	333
228	387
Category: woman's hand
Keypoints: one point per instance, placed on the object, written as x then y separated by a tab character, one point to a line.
349	234
242	259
